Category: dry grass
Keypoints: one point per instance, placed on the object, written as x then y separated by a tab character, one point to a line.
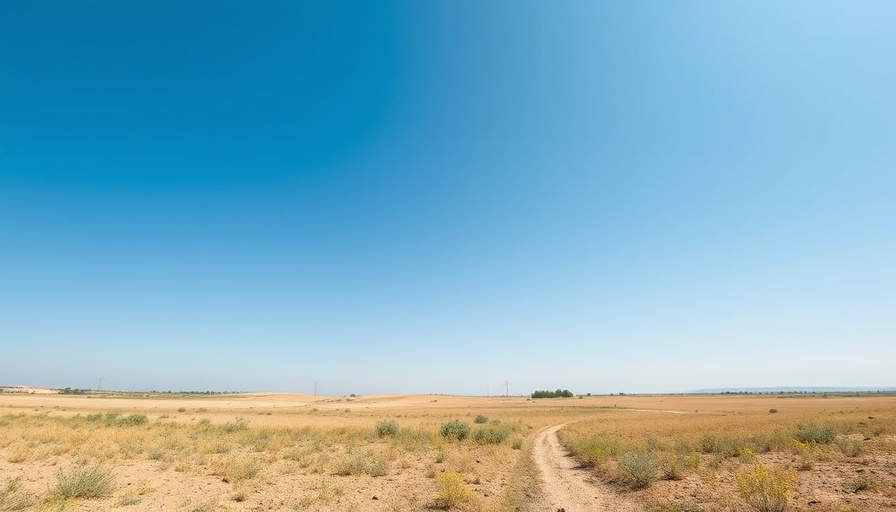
701	450
283	453
319	459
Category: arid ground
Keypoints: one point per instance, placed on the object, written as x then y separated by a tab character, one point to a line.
431	452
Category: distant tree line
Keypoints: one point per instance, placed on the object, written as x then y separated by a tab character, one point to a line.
560	393
70	391
194	392
76	391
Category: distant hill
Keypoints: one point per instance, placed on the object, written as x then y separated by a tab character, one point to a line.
798	389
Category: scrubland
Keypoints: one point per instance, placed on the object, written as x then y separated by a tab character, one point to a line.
396	453
63	453
834	454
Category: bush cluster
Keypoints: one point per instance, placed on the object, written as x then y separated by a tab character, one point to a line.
114	419
765	489
455	429
452	491
636	469
495	434
89	482
386	428
811	433
560	393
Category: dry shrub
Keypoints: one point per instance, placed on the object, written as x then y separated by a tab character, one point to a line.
636	470
766	489
672	466
850	447
812	433
90	482
235	469
13	497
386	428
452	491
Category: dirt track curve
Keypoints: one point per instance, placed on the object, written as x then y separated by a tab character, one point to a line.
567	487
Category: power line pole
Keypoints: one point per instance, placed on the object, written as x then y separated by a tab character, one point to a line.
506	388
99	385
315	388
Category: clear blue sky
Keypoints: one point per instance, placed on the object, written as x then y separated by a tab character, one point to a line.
438	196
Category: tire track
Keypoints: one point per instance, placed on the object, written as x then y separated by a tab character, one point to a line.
568	487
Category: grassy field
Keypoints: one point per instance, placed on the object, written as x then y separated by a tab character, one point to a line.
748	453
391	453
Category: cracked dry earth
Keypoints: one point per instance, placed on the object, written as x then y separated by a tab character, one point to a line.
568	487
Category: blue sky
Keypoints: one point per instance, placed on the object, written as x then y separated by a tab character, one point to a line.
440	196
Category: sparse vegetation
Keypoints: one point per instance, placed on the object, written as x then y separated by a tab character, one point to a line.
850	447
452	491
492	434
386	428
863	483
695	449
765	489
89	482
636	470
235	469
455	429
812	433
13	497
325	459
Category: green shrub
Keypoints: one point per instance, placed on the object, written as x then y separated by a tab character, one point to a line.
133	420
596	450
723	446
772	411
636	469
480	419
491	435
765	489
811	433
386	428
455	429
517	444
90	482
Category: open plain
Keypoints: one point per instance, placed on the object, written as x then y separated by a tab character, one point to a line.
392	453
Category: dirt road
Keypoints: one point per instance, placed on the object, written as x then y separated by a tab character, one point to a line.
567	487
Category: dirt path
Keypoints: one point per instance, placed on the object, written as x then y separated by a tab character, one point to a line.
567	487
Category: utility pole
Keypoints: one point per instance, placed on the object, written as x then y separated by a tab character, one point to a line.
100	385
315	388
506	388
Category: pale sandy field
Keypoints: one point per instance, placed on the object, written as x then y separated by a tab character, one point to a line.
301	452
